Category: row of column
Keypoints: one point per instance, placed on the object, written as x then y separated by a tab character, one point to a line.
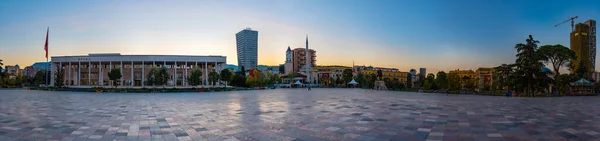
100	77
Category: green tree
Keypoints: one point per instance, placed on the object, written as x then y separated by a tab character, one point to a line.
226	76
27	80
453	81
39	77
495	82
159	76
258	79
463	81
429	82
251	81
571	66
268	78
564	82
16	81
421	80
213	77
409	80
324	81
195	78
441	80
360	78
582	70
468	82
162	76
558	56
347	75
114	75
486	85
504	72
274	78
151	77
239	80
372	79
528	65
58	78
242	71
392	84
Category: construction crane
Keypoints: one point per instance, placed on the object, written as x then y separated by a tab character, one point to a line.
572	19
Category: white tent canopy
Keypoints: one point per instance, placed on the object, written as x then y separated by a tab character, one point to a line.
298	82
353	82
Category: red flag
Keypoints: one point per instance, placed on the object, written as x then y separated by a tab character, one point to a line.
46	46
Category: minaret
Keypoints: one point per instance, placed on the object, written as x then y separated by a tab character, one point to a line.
307	62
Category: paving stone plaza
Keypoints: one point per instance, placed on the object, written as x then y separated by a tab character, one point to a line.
293	114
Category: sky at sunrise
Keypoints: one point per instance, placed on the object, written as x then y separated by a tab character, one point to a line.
403	34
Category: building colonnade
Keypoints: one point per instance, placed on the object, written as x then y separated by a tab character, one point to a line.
134	73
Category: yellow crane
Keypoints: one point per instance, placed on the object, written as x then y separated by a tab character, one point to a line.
572	19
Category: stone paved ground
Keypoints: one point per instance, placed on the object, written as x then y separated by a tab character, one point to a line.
293	114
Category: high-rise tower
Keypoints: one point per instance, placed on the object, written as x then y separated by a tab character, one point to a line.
580	44
247	48
592	40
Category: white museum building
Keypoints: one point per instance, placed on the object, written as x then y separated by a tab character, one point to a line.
92	70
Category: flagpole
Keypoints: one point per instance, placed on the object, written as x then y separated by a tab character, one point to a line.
46	49
47	72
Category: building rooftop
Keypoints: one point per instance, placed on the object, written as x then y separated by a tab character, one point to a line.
43	65
119	54
104	54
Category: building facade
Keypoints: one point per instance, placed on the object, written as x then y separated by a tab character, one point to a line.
29	71
423	71
592	39
464	73
413	76
247	48
299	58
232	68
595	76
92	70
272	69
330	72
580	44
12	71
464	76
37	66
484	77
389	74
